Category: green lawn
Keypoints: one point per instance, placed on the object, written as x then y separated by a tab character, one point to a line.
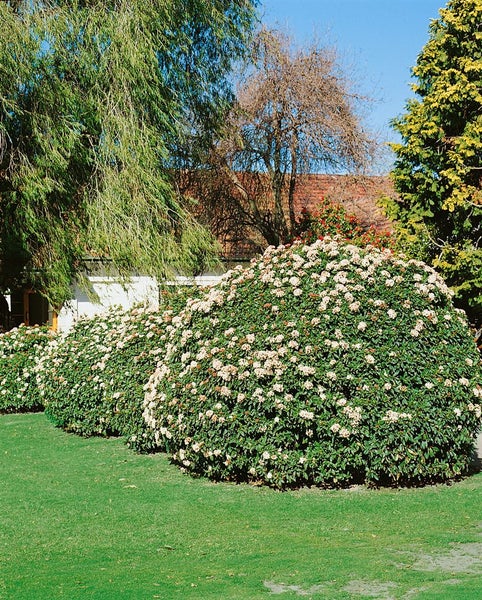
88	518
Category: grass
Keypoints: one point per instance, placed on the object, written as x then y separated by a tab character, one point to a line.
88	518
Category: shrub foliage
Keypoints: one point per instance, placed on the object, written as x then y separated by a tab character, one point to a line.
20	349
331	219
92	380
323	364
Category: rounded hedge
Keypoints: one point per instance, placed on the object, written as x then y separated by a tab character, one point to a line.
20	350
92	380
323	364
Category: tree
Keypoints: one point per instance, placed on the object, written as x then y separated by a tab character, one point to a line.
205	41
94	98
295	112
438	166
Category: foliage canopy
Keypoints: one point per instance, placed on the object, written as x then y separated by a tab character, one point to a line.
438	165
94	102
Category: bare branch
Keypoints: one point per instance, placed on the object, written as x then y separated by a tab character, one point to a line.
295	113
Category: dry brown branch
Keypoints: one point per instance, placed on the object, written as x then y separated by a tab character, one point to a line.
295	113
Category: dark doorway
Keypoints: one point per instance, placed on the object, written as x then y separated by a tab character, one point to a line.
29	307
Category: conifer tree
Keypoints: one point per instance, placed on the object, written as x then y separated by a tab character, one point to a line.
438	168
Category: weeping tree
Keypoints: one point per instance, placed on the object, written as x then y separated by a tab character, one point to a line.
296	112
438	168
97	101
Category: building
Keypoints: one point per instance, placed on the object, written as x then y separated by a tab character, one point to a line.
358	194
237	207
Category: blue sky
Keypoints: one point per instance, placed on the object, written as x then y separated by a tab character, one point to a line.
382	38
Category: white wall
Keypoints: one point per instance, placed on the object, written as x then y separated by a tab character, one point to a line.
139	290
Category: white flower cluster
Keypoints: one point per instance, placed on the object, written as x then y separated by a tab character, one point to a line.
393	416
21	349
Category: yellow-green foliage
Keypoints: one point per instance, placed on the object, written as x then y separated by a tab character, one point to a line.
439	161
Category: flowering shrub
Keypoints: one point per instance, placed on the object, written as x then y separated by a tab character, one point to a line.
332	220
20	349
92	380
322	364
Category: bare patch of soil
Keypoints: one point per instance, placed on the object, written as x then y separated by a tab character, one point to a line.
372	589
461	558
282	588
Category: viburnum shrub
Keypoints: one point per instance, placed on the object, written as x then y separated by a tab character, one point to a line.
20	349
324	364
331	219
92	381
